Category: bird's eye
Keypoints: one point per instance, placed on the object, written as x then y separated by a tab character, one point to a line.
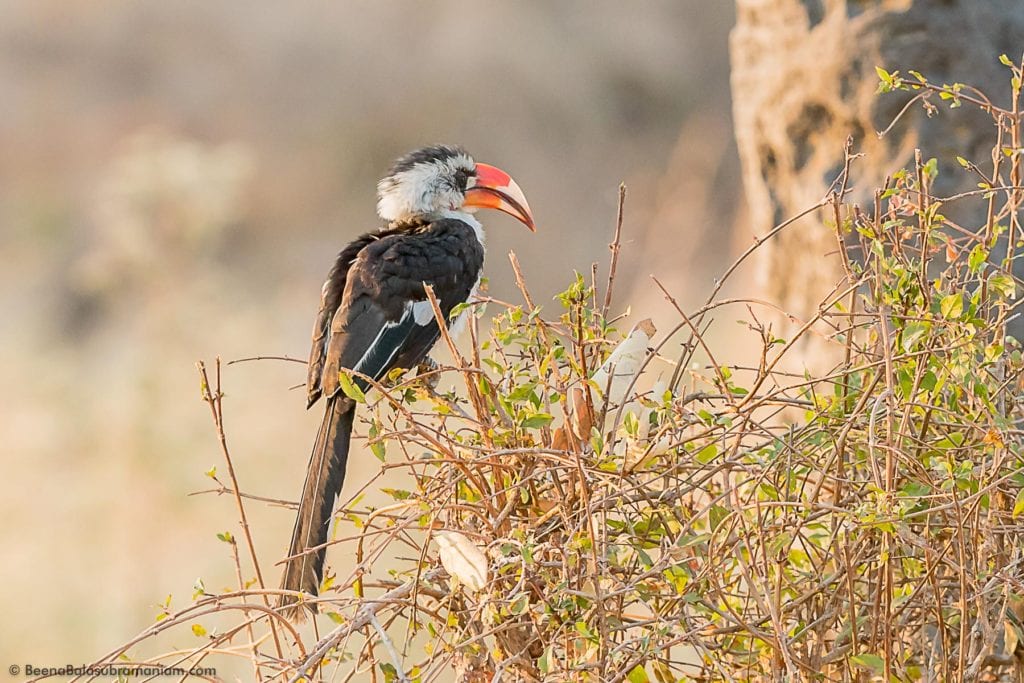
461	178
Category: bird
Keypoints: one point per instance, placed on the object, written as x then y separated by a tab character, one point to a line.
374	316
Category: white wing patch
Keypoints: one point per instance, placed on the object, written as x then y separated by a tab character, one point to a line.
422	312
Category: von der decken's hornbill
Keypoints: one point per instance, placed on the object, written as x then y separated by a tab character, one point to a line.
374	315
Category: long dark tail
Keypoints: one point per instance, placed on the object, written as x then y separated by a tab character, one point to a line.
324	478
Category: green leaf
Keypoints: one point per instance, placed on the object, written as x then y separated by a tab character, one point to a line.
379	450
527	553
706	454
1003	59
915	489
544	663
522	392
912	333
226	537
929	381
198	630
350	389
631	423
584	630
519	605
949	441
873	663
1002	283
336	618
397	494
977	258
212	472
1018	504
389	671
716	515
537	421
769	491
375	443
952	306
638	675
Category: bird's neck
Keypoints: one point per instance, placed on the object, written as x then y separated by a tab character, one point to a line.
470	220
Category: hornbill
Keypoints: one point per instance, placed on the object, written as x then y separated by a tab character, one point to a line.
374	314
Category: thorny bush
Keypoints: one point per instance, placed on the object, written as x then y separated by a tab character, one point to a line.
597	505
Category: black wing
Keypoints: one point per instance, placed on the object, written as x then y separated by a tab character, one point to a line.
382	319
330	300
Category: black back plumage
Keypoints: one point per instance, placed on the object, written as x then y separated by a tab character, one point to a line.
371	317
367	322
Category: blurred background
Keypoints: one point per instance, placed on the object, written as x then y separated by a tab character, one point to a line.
175	179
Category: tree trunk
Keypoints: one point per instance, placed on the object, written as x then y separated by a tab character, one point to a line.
804	79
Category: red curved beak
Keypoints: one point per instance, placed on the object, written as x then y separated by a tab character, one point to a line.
495	189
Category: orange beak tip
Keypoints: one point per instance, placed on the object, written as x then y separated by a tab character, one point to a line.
495	189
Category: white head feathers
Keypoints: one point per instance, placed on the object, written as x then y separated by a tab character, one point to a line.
427	182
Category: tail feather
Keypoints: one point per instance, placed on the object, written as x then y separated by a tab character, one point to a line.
324	478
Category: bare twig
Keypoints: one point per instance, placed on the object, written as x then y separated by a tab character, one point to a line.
214	398
614	247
